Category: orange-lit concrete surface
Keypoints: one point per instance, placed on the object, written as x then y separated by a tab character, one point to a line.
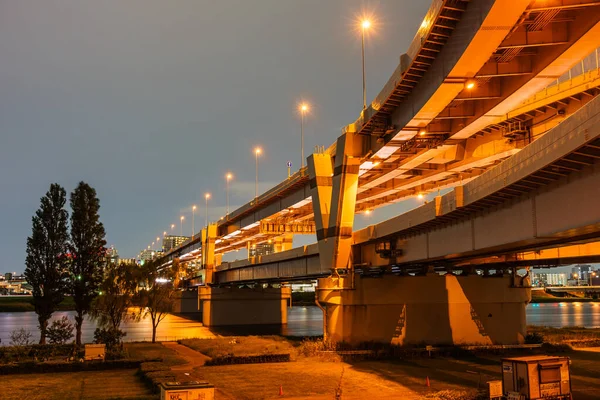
243	306
430	309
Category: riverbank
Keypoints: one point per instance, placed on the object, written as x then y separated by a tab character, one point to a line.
541	296
24	304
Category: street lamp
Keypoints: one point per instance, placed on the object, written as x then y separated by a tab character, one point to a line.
365	24
228	177
206	197
172	227
181	225
157	240
303	109
257	152
193	215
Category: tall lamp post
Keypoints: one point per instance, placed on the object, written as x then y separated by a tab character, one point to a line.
193	215
303	110
257	152
206	197
181	225
365	24
228	177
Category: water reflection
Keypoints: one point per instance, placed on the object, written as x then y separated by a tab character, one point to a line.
557	315
302	321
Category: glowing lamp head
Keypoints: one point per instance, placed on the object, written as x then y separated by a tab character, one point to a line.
420	196
303	107
257	150
422	132
470	85
182	218
165	233
229	177
367	212
194	208
157	239
207	196
366	24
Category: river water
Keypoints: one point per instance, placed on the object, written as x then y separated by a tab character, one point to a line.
302	321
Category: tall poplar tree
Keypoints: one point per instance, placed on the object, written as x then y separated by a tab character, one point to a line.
87	250
46	262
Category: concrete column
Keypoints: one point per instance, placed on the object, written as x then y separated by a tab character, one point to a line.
430	309
186	302
243	306
209	235
334	199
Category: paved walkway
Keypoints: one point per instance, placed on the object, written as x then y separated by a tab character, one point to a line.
194	359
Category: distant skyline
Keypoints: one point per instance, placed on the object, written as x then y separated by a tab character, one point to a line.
153	102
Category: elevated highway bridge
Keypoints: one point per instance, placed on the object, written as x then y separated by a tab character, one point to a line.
477	104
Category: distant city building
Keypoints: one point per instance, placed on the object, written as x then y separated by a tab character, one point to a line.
261	249
550	279
149	255
112	255
129	261
171	242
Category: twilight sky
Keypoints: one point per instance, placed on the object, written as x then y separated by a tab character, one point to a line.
151	102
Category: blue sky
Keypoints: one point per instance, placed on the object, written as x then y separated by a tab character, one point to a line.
152	102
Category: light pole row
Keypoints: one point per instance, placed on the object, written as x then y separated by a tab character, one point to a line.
303	108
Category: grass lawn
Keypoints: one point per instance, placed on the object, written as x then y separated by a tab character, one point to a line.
23	303
241	346
575	335
121	384
152	351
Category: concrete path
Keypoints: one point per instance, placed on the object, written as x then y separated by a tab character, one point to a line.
194	359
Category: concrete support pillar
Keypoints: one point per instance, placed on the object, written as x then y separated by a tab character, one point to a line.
334	185
243	306
283	243
209	235
430	309
186	302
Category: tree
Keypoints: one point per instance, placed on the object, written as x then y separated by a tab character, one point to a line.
61	331
158	299
116	293
88	251
46	261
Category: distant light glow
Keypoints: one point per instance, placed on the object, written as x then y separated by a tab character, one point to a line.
420	196
207	196
422	132
367	212
470	85
366	24
257	150
161	280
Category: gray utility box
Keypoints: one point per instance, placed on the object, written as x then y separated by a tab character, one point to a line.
187	391
536	377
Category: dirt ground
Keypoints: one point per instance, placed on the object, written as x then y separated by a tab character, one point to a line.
96	385
312	378
306	378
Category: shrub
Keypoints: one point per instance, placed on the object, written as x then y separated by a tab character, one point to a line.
60	331
20	337
264	358
534	338
112	338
